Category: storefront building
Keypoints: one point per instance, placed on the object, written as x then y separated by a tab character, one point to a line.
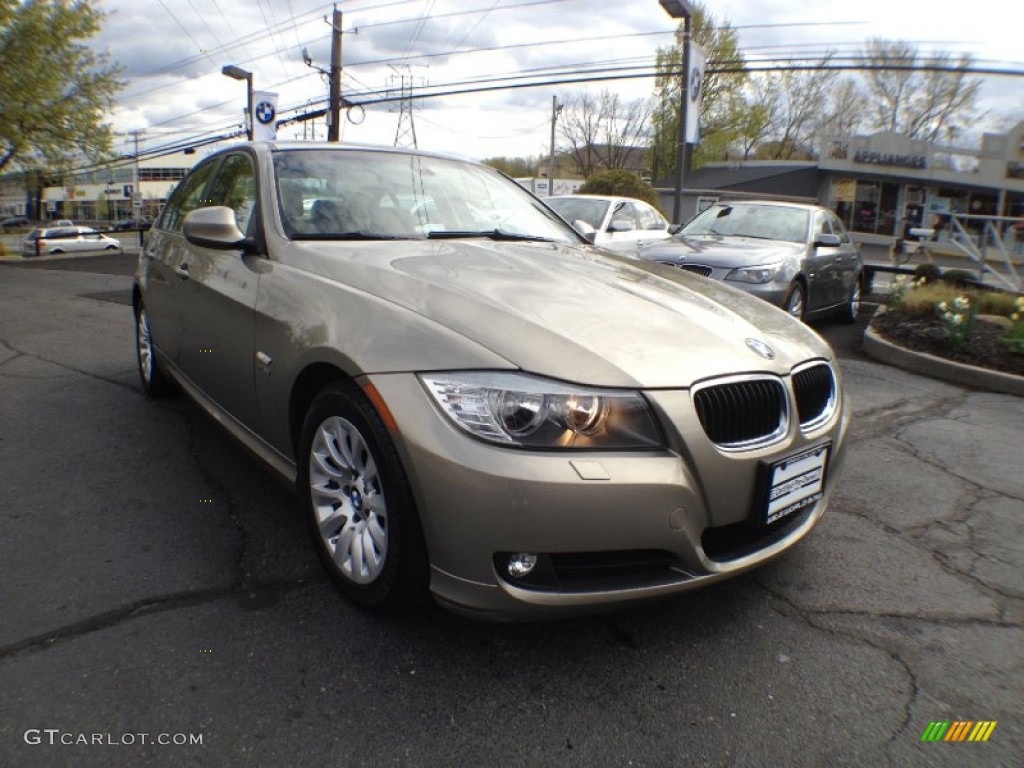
100	196
885	184
881	185
120	191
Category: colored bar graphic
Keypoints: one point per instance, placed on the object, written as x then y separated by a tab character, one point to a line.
958	730
982	730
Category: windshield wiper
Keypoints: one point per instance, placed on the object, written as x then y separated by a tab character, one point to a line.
491	234
351	236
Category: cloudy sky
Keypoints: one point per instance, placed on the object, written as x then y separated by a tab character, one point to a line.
172	51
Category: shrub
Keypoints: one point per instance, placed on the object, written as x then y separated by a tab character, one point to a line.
919	298
621	184
3	251
997	303
960	277
927	271
1014	338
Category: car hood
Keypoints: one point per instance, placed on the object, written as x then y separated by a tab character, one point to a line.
722	252
572	312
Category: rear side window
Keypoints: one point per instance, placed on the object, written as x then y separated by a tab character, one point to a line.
187	197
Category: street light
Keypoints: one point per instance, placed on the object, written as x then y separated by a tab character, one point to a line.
237	73
680	9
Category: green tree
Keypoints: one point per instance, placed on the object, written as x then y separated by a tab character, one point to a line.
54	90
722	109
620	184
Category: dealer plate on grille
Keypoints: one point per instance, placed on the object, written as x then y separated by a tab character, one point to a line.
794	482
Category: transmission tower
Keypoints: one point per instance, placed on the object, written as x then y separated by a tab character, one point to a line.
402	83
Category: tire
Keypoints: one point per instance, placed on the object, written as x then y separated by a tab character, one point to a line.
155	382
849	311
359	505
111	248
796	301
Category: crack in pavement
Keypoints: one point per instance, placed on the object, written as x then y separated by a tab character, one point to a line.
807	616
147	607
883	420
65	366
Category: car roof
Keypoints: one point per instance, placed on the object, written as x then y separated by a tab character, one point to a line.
307	146
606	198
775	203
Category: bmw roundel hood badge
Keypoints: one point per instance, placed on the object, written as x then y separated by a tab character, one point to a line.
761	348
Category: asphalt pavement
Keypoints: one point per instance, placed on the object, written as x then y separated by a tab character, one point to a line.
158	586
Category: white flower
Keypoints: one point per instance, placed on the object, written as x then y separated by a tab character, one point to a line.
957	319
943	307
961	303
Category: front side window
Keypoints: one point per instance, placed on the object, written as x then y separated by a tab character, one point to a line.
624	217
649	218
348	194
234	187
187	197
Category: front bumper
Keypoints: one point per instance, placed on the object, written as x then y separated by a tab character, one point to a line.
684	516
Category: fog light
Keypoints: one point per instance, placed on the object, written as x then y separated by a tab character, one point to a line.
520	564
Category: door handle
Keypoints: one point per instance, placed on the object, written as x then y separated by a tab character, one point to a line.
182	271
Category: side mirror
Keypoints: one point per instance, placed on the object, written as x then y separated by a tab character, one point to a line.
619	225
675	229
214	227
827	241
588	232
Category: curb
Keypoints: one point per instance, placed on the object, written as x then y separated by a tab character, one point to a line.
939	368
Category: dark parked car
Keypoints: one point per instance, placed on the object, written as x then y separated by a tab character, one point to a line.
123	224
472	399
14	222
798	257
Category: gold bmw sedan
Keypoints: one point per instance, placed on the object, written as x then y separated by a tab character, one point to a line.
472	401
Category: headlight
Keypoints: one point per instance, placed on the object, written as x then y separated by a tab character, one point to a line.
761	274
518	410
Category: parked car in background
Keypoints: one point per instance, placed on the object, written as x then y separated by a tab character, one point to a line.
127	224
67	240
620	224
62	223
796	256
474	400
14	222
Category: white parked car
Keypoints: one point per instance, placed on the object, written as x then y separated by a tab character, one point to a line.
620	224
67	240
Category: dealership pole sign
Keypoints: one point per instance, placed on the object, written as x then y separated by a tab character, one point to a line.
694	87
265	115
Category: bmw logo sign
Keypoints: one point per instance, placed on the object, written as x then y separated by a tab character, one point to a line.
265	112
695	83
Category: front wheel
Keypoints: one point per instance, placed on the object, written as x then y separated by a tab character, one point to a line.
796	301
359	504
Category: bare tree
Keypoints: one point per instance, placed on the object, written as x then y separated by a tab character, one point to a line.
918	96
602	131
846	109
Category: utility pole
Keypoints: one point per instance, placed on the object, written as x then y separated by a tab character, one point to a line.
333	129
555	109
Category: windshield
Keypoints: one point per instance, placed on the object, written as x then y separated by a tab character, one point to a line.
767	222
574	209
350	194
